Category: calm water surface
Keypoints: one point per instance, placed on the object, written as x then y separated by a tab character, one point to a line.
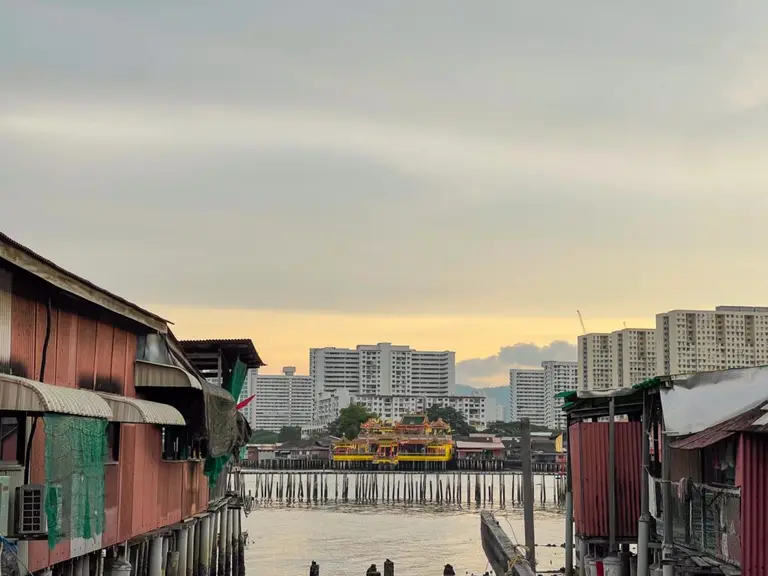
345	539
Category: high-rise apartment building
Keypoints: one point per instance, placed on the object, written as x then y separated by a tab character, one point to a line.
249	389
334	368
633	356
595	361
689	341
526	395
558	377
394	407
383	369
282	400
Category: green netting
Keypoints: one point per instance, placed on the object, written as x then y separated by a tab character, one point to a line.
214	466
75	452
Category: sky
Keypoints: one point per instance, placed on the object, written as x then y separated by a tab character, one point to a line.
448	175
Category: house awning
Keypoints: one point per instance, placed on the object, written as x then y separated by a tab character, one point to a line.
22	395
154	375
136	411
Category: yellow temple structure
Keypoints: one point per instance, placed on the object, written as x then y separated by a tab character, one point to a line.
413	443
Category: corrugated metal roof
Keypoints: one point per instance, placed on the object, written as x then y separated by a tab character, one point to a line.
22	395
741	423
26	259
154	375
233	347
138	411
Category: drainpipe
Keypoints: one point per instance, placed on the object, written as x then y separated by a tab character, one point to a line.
644	525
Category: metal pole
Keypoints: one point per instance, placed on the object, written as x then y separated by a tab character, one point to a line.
568	501
612	547
525	454
156	560
666	473
644	525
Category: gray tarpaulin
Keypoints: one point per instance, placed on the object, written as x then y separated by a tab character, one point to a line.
698	402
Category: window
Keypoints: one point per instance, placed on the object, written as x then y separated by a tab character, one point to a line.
113	442
11	438
179	444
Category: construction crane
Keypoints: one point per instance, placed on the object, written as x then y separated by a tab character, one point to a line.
581	320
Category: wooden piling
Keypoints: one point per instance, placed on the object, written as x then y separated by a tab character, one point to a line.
389	567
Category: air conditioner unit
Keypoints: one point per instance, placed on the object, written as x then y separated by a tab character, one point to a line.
31	519
5	504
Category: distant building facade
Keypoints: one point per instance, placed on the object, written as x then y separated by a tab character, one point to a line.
383	369
558	377
526	395
689	341
282	400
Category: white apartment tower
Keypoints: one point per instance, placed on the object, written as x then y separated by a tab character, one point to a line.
282	400
249	389
383	369
333	369
633	356
595	361
689	341
558	377
526	395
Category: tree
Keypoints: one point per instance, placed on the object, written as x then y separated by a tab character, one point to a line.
289	433
452	417
349	420
263	437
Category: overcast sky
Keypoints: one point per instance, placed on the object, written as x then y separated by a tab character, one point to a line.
405	169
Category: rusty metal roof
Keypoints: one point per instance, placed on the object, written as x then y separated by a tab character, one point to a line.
22	395
742	423
33	263
136	411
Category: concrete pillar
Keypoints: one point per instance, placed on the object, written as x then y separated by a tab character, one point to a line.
181	546
191	551
156	560
205	549
166	548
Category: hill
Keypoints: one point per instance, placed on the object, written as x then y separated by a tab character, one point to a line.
499	394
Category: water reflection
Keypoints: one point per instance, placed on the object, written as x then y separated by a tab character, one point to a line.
345	538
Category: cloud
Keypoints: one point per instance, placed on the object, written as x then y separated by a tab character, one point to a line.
493	370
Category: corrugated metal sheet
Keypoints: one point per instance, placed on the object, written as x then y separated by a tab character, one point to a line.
138	411
6	301
24	395
589	465
718	432
152	375
754	505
